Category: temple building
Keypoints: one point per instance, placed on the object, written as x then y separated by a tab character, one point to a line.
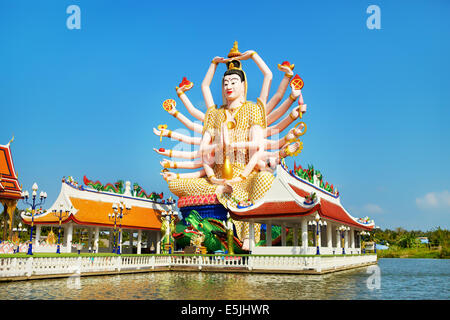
96	210
10	189
298	203
298	200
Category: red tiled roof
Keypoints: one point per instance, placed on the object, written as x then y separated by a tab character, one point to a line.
9	184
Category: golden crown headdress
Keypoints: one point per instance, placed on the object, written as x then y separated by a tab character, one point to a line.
234	52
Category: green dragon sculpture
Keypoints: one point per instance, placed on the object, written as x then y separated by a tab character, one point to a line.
140	193
117	187
214	232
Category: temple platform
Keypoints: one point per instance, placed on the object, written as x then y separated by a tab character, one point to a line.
30	268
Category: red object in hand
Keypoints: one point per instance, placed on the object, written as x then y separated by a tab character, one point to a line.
185	82
162	149
297	82
288	64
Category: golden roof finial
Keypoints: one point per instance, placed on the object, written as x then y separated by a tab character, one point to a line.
10	141
234	52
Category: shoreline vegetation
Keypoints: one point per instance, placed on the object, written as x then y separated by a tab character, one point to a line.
433	244
414	253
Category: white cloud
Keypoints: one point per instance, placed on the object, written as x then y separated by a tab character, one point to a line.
434	200
368	209
372	208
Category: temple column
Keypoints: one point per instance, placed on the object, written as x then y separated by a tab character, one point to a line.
158	242
329	235
38	235
346	239
295	235
283	235
304	236
318	236
352	236
251	242
89	244
96	236
139	239
131	241
69	232
119	241
110	240
269	234
338	241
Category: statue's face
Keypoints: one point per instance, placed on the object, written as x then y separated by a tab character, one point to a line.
233	87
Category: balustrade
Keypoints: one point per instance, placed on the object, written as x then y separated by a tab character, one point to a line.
32	266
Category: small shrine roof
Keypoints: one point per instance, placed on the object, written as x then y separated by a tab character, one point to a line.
9	183
287	199
91	207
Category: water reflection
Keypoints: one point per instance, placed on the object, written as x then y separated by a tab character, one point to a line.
401	279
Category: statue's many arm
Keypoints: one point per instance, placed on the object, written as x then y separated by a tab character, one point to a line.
181	92
181	164
276	114
184	120
264	95
281	89
177	136
178	154
207	95
283	124
256	153
168	176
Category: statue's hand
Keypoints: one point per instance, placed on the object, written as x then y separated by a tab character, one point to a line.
303	108
164	132
286	69
233	181
164	153
246	55
295	113
219	60
217	181
300	100
169	176
299	131
296	93
166	163
173	110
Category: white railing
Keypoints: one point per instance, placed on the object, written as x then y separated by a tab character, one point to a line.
33	266
301	250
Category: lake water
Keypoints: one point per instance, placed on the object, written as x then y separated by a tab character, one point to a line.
398	279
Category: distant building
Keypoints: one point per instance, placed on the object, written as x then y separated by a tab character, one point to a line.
423	240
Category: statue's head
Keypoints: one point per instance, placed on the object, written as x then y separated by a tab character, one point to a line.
234	82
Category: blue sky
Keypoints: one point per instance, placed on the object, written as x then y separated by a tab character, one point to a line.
84	102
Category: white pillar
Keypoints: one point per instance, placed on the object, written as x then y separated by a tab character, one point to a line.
295	235
338	241
139	239
352	237
304	235
251	239
38	235
96	237
89	244
119	240
319	238
283	235
110	241
329	235
131	241
158	242
346	239
269	234
69	232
